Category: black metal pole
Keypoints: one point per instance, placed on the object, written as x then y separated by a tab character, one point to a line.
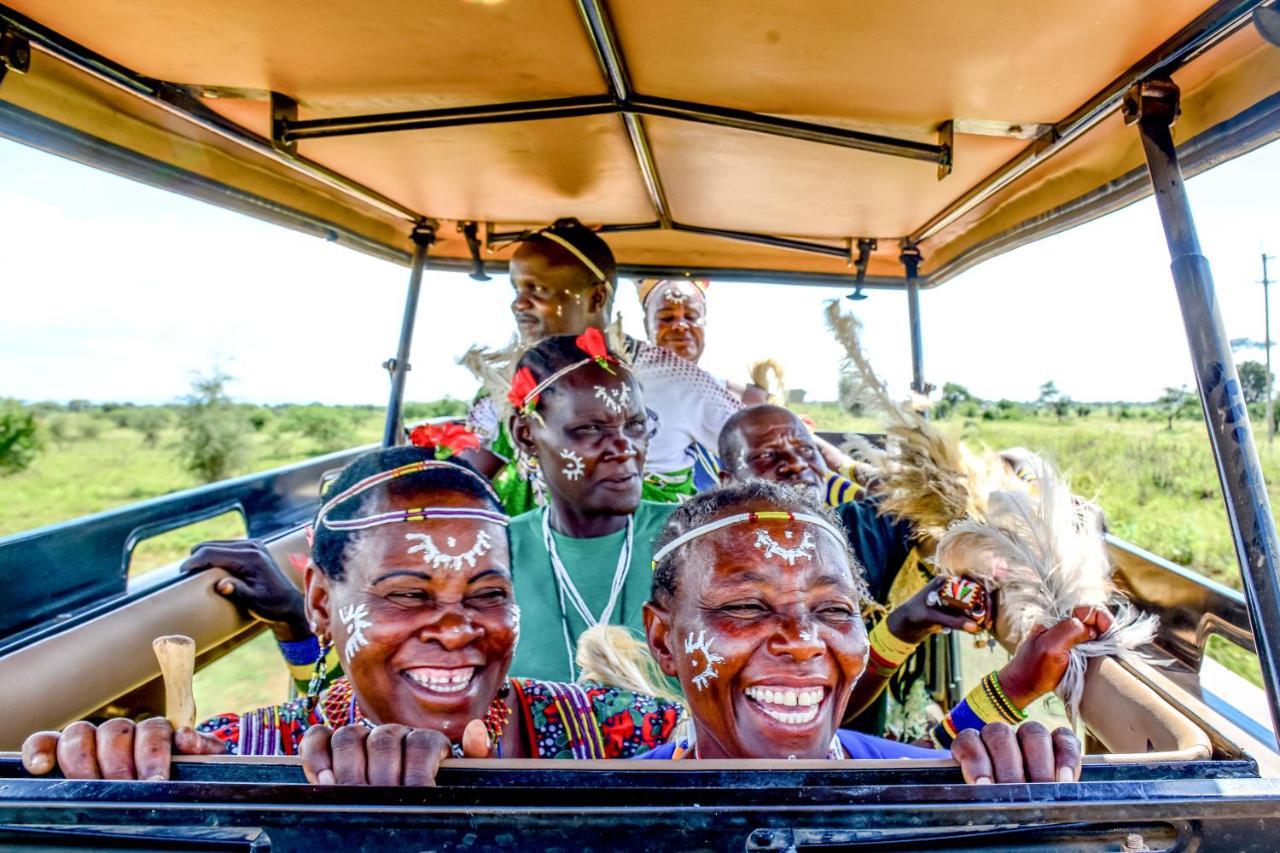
910	259
1153	104
424	234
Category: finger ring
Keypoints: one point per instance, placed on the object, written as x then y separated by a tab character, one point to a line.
932	599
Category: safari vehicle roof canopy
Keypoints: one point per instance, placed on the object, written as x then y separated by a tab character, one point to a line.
754	139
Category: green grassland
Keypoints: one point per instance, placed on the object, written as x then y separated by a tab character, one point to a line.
1158	487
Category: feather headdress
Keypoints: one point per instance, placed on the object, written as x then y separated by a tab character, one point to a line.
1046	555
930	478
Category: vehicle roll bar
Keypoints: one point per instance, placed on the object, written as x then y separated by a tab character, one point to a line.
1153	106
423	235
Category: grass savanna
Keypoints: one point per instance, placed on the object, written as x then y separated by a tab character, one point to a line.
1148	465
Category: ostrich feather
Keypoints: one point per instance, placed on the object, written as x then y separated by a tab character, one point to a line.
493	368
930	478
767	374
1045	555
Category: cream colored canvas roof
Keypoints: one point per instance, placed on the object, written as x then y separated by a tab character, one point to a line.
647	127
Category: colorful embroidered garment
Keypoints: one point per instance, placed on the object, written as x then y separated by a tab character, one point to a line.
591	720
562	720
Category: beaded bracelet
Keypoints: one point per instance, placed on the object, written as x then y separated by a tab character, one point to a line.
986	703
887	651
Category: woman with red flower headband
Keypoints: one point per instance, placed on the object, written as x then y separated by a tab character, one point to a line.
583	559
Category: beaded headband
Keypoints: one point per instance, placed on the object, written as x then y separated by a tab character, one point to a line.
413	514
728	521
647	287
575	251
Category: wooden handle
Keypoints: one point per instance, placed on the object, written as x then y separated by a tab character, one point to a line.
177	656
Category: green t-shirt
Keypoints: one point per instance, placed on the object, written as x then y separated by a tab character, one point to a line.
591	564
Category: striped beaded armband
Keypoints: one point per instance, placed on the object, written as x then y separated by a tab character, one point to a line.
1008	711
986	703
887	651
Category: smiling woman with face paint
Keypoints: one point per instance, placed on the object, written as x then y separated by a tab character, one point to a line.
583	559
756	609
410	580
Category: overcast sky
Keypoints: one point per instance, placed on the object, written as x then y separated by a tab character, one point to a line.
117	291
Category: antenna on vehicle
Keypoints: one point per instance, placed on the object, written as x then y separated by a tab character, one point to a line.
471	231
866	246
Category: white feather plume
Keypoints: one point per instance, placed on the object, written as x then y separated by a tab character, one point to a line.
1046	555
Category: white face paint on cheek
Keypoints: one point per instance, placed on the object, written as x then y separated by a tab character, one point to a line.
354	618
515	634
702	658
574	466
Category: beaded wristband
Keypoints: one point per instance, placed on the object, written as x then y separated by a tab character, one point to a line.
986	703
887	651
302	652
1011	712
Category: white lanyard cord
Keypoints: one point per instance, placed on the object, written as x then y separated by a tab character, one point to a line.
566	587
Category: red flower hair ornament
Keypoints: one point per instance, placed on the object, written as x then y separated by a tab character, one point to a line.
521	395
447	439
593	344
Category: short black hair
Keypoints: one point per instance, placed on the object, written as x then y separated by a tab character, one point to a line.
719	502
588	243
551	354
328	547
729	444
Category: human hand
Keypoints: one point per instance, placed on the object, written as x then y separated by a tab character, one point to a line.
117	749
1030	754
934	607
384	755
257	584
1041	658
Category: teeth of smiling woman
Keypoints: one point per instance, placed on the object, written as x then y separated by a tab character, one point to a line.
773	699
442	680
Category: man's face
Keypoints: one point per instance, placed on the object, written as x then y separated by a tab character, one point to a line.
675	319
773	444
554	294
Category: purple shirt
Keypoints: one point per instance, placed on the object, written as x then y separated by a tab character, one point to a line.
856	745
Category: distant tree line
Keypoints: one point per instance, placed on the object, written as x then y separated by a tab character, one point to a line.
208	430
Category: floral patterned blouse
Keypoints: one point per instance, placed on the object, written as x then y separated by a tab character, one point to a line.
563	720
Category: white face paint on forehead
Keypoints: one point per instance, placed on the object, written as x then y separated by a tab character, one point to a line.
354	618
700	649
675	296
574	465
615	399
433	556
772	548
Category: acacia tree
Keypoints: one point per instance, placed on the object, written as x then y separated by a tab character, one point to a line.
214	430
1171	403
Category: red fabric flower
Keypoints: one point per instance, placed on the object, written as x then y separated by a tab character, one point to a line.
447	439
593	344
522	384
